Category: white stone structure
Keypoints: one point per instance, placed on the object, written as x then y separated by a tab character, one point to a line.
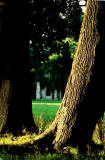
42	93
38	90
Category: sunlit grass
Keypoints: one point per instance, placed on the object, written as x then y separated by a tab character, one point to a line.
46	101
41	123
96	136
46	110
9	139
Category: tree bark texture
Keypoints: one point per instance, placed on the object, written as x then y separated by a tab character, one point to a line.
15	91
82	104
4	94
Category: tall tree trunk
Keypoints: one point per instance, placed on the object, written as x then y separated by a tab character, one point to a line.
82	103
15	90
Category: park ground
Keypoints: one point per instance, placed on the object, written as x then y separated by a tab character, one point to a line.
44	113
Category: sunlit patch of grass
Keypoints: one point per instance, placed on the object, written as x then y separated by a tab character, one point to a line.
96	135
9	139
71	150
74	150
41	123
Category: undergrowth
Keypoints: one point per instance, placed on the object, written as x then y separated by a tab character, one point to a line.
67	153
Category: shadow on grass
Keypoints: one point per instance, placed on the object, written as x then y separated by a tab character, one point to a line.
33	153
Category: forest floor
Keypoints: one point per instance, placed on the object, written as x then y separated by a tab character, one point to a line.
12	148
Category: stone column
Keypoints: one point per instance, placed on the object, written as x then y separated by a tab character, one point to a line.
38	90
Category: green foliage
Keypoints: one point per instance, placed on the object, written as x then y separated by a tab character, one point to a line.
52	24
57	67
71	45
54	56
52	20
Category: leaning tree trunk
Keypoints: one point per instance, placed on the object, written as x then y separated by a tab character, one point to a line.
15	87
82	103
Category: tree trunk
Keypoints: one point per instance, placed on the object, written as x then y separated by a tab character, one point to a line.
15	90
82	103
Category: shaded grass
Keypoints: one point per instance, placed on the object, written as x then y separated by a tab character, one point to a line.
8	155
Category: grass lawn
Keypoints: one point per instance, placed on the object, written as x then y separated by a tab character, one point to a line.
46	101
46	109
48	156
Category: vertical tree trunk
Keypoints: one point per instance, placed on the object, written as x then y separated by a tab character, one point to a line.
15	91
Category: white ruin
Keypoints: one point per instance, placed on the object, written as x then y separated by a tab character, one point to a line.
38	90
42	93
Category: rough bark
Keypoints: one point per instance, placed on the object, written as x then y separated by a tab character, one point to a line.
4	94
82	103
15	90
